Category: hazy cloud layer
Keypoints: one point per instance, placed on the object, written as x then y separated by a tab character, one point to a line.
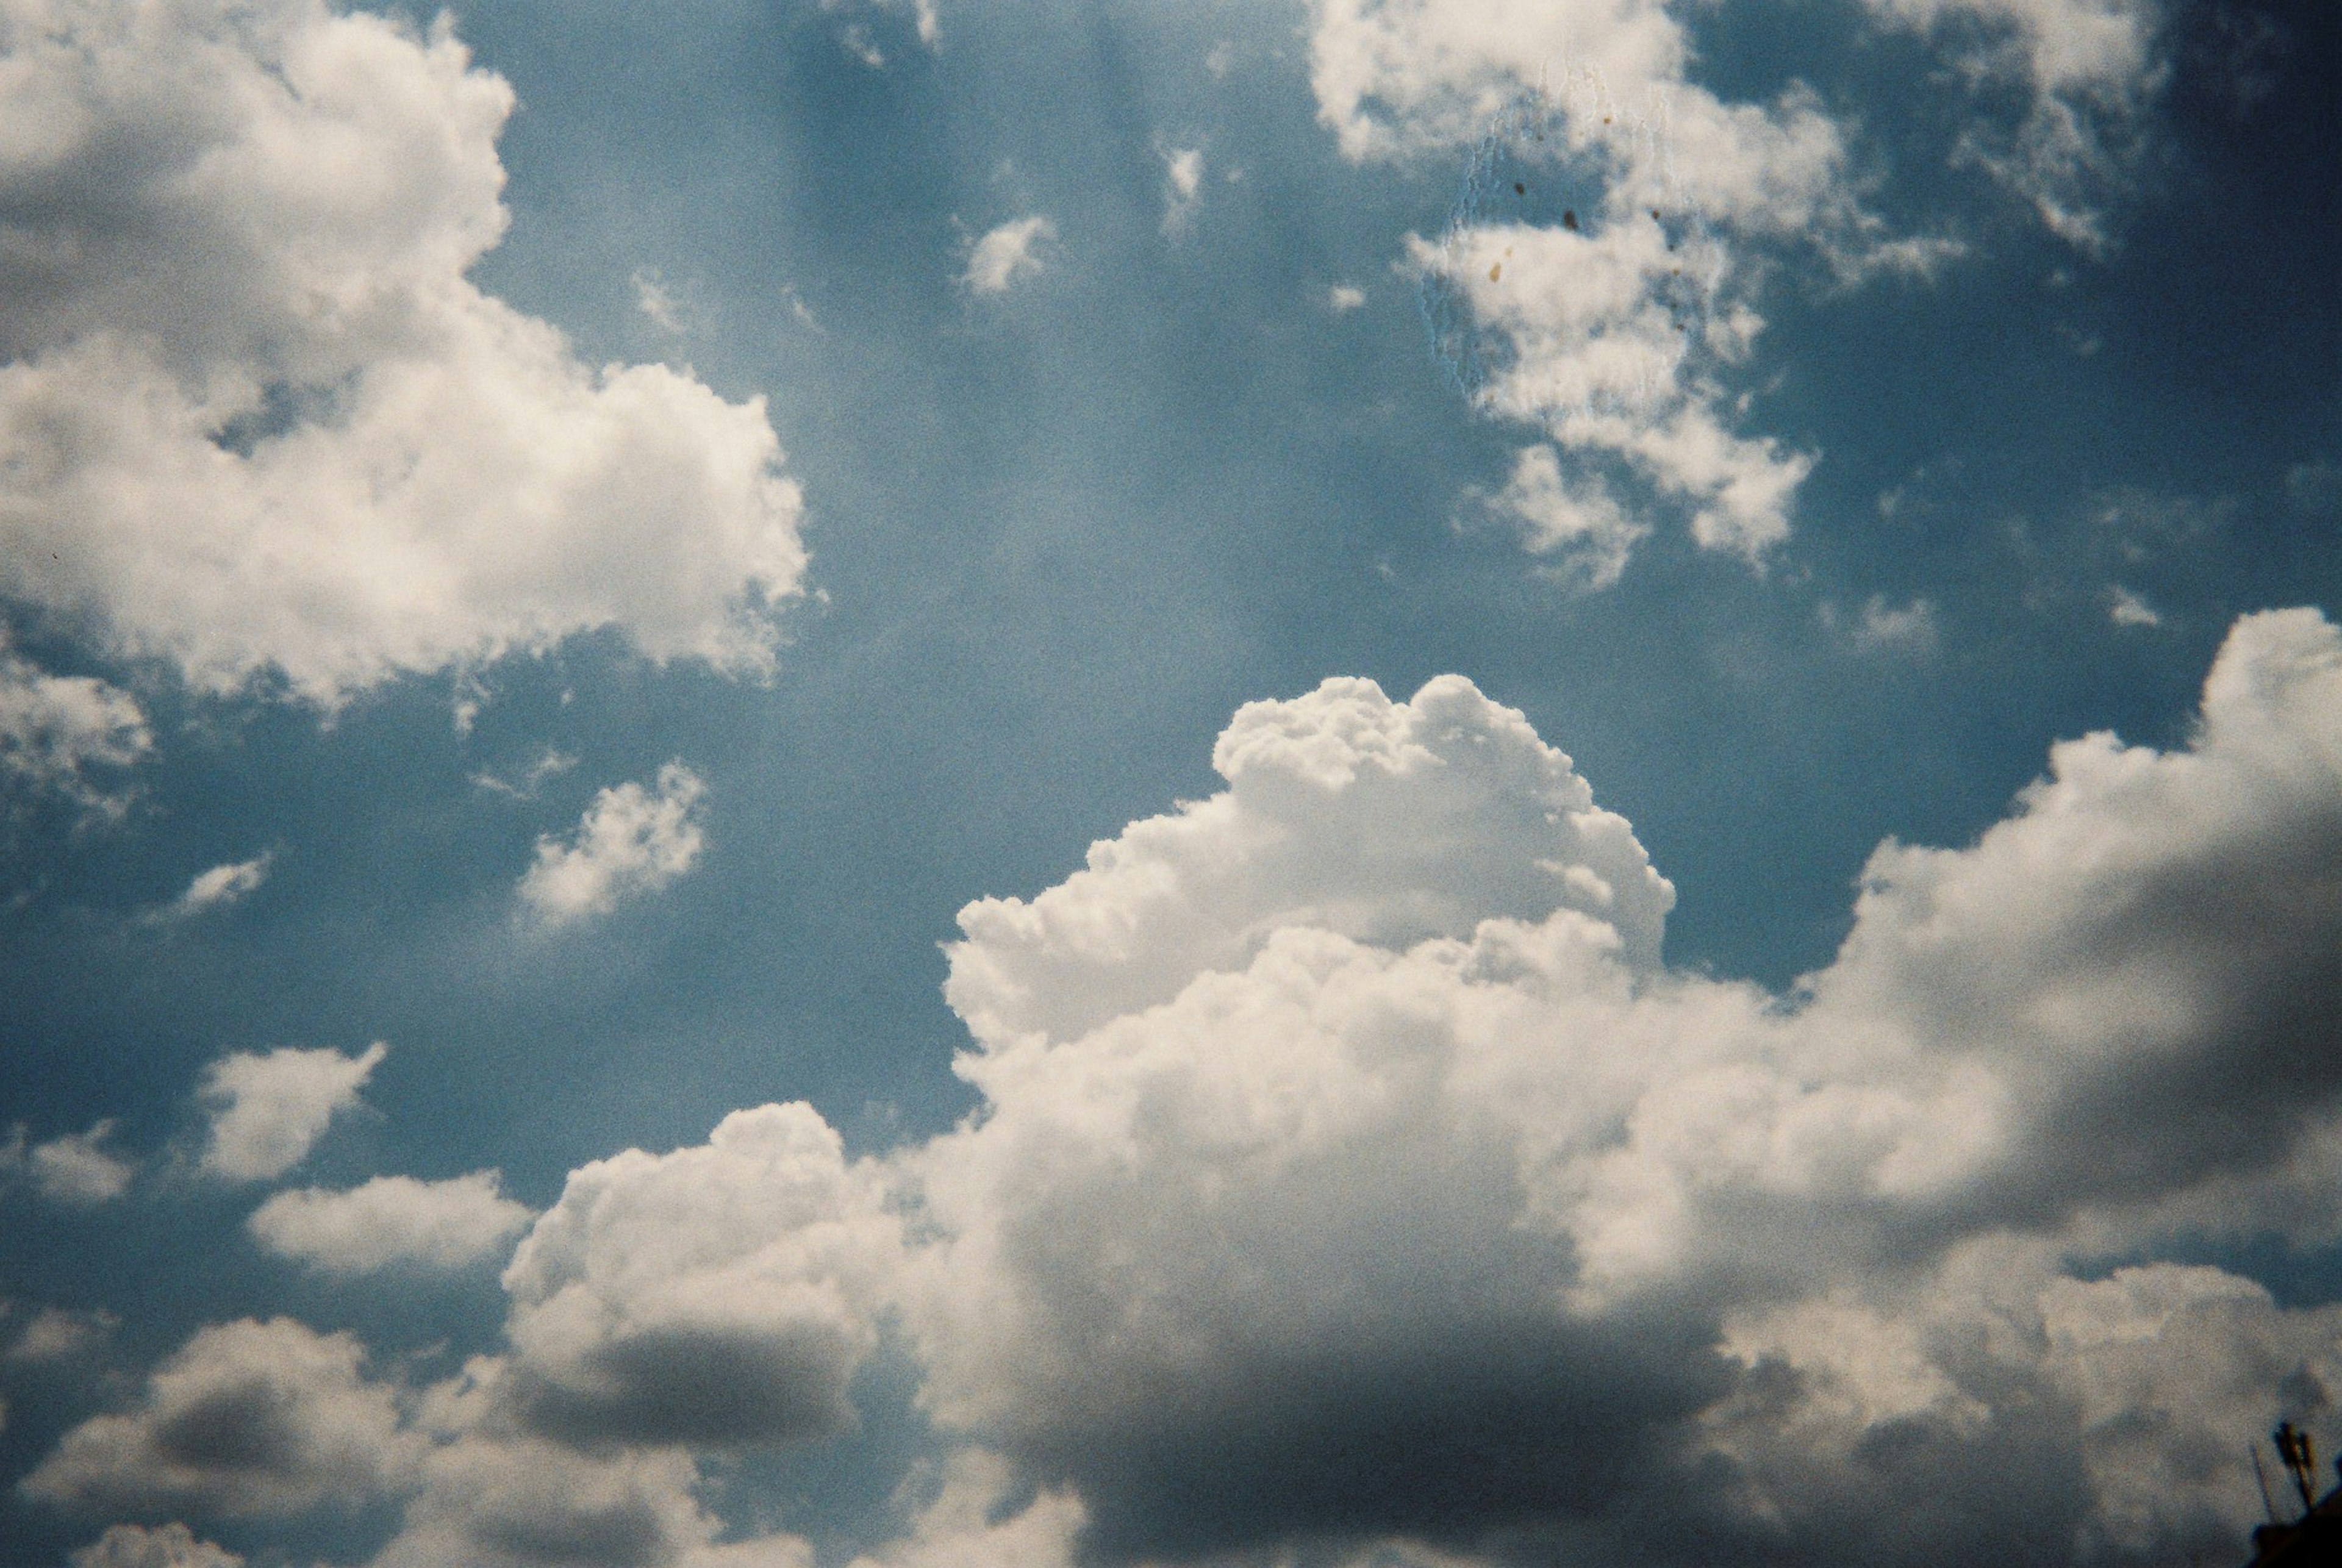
236	279
269	1109
391	1222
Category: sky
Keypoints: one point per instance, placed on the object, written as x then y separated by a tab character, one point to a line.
1370	783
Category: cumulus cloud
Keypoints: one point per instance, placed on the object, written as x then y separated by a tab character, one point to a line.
1353	1182
391	1222
1344	297
248	1418
236	278
1012	251
63	734
630	841
721	1294
1352	1212
171	1545
77	1169
268	1109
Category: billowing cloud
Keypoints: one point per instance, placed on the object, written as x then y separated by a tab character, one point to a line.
630	841
236	278
391	1221
1345	812
170	1545
720	1295
1352	1180
249	1418
1012	251
268	1109
64	733
1354	1213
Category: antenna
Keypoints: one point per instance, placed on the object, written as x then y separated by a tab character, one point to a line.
2268	1503
2300	1455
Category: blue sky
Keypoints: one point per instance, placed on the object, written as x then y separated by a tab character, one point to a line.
1688	643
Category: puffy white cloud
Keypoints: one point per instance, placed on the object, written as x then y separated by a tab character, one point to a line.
1344	297
630	841
56	730
391	1222
248	1418
1319	1191
77	1169
721	1294
269	1109
236	279
1345	812
1012	251
171	1545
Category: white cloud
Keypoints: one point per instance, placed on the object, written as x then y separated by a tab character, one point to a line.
222	885
268	1110
1248	1093
2089	65
1620	325
248	1418
1343	297
56	1333
167	1546
391	1222
1012	251
1885	628
1183	186
1345	812
721	1294
1346	1129
1575	522
263	312
630	841
56	730
656	301
76	1168
2126	608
